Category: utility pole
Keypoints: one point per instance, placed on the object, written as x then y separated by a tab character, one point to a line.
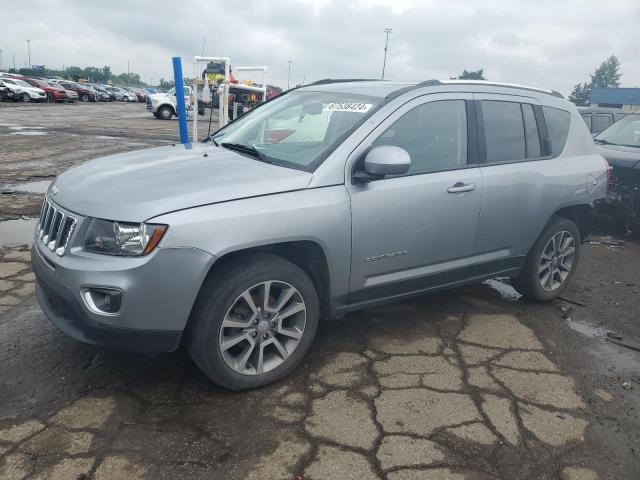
128	77
29	51
289	76
386	45
14	61
204	40
0	58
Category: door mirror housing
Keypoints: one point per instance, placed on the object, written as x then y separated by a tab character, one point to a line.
382	161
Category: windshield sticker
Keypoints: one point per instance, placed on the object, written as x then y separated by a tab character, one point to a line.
348	107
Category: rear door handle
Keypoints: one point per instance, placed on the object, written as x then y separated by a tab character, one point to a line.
462	187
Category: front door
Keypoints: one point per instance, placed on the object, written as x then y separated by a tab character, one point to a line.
417	231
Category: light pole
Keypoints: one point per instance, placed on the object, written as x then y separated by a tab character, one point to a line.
29	51
0	58
128	77
304	77
289	75
204	40
386	45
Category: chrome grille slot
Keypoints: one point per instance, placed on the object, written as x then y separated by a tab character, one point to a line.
55	228
56	224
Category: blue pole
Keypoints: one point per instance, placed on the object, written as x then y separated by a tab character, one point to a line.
182	111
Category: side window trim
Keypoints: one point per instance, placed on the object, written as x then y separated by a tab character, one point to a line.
473	151
545	141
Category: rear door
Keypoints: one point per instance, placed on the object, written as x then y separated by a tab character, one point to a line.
416	231
521	184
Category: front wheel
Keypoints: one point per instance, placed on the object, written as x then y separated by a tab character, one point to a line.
551	262
26	98
84	97
165	113
125	99
253	322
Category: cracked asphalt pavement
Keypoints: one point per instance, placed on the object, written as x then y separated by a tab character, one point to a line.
474	383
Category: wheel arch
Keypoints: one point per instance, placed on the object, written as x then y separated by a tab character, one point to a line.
580	214
305	254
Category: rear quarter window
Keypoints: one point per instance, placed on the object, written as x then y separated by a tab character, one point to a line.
558	123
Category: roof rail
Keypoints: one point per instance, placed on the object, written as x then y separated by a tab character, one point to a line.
325	81
433	83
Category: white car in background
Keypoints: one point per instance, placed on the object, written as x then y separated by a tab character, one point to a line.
28	92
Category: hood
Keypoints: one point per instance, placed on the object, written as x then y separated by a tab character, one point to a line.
620	156
137	186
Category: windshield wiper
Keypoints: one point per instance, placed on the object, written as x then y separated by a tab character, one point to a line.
248	149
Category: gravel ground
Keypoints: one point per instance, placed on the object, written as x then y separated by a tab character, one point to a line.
474	383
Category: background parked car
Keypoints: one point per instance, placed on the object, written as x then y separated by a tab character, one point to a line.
85	94
102	94
597	119
61	94
620	145
126	95
114	93
28	92
9	91
53	94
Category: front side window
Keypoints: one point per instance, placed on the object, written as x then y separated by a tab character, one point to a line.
434	134
504	131
601	121
625	131
298	129
558	123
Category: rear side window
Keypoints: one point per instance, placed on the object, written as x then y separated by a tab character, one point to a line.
558	122
504	131
600	122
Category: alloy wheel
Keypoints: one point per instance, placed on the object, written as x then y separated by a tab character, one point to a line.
556	260
26	97
262	328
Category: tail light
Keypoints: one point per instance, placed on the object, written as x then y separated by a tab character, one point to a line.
607	185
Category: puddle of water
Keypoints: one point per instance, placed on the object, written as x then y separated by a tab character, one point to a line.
29	133
616	357
23	127
505	290
38	186
17	231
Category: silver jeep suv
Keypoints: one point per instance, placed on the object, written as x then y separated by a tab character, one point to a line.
329	198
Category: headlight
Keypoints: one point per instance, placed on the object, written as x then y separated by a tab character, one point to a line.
120	238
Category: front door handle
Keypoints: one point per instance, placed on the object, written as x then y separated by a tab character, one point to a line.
462	187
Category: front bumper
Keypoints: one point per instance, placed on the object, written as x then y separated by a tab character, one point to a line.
159	292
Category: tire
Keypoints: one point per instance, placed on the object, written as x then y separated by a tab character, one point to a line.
84	97
155	114
221	300
532	281
26	98
165	112
125	99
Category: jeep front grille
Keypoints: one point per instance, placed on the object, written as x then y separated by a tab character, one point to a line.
55	228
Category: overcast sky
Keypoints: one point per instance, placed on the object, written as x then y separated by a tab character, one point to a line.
545	43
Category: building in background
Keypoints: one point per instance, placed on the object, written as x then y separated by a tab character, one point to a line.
628	99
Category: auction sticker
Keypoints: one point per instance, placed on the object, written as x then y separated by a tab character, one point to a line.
349	107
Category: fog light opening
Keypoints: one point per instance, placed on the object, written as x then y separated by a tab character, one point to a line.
102	300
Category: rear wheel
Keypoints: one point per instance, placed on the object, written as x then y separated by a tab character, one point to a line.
551	262
253	322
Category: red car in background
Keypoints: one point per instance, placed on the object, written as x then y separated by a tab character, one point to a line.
85	94
53	94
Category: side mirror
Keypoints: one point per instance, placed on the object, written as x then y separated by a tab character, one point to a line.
382	161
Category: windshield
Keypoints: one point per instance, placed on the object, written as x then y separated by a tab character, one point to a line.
22	83
625	131
299	129
56	86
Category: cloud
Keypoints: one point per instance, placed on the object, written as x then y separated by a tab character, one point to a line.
542	43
